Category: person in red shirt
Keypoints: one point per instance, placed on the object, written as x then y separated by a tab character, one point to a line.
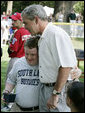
16	46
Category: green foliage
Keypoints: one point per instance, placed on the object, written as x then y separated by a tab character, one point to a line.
47	3
3	6
79	7
18	6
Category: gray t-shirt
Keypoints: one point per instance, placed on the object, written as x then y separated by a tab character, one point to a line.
26	79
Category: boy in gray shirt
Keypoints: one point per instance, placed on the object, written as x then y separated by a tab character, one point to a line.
25	76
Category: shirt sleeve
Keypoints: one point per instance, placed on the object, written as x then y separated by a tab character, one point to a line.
62	50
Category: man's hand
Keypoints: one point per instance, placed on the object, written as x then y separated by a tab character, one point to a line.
9	51
52	102
75	73
4	92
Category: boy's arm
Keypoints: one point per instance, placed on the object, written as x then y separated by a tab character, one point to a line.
8	88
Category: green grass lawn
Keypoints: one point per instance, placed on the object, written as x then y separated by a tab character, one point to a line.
3	73
77	43
4	62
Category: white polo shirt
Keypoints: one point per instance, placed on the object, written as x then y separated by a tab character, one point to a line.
55	50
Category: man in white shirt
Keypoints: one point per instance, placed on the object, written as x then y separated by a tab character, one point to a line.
56	59
25	76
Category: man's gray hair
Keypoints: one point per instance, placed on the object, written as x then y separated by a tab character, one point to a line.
34	10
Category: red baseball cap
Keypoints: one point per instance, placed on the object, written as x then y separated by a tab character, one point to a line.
16	16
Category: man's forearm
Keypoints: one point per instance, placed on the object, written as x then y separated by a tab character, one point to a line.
62	78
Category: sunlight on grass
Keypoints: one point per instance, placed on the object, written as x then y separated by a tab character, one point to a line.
78	43
5	56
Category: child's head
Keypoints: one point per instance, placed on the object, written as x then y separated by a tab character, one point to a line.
31	50
75	96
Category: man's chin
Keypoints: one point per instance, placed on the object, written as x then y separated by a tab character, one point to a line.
33	33
32	64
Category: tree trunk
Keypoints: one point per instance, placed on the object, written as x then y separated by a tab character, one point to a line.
9	7
65	6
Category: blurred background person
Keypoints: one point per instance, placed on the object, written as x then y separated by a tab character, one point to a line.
59	16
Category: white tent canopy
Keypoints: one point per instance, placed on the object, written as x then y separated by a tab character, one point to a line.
48	10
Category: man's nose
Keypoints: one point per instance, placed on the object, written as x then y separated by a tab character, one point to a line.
29	57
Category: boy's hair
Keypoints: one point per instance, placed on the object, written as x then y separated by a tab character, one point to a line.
75	91
32	42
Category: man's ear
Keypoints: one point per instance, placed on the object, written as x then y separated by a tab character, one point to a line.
36	19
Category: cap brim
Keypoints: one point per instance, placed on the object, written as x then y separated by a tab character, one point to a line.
13	17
